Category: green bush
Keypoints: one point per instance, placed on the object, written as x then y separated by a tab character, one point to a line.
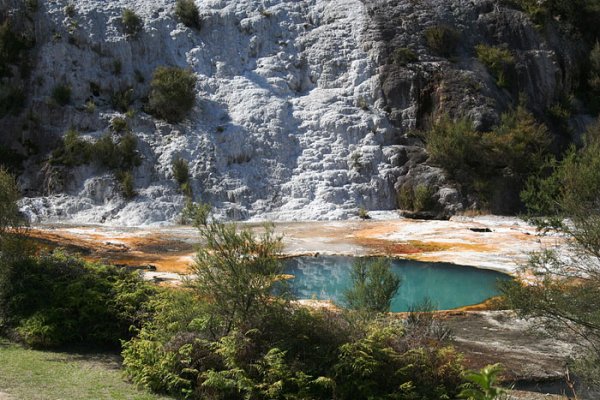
127	184
442	39
172	94
403	56
499	61
122	99
61	94
374	285
57	299
132	23
73	151
513	150
181	170
423	198
119	124
187	12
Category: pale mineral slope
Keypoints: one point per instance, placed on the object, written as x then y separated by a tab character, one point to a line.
299	115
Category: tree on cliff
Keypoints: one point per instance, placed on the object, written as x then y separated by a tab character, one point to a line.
566	294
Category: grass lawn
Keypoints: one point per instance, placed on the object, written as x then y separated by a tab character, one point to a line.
36	375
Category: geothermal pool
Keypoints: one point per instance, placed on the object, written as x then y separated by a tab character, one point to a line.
447	286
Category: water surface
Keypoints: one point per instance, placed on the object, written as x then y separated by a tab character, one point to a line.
447	286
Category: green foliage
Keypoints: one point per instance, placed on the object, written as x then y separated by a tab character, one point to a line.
499	61
238	273
57	299
195	214
381	365
423	198
119	124
442	39
482	383
403	56
61	94
566	292
127	184
232	333
181	170
122	99
514	150
74	151
9	211
363	213
132	23
187	12
172	93
374	285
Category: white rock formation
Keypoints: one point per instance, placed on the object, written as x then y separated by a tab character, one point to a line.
285	125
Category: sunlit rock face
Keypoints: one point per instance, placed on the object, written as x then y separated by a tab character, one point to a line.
299	114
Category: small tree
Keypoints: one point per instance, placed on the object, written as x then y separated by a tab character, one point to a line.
237	273
566	296
187	12
374	285
172	93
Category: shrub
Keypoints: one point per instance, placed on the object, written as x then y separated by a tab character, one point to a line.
132	23
499	61
57	299
61	94
127	184
181	170
73	150
423	198
374	285
363	213
403	56
119	124
172	93
122	99
442	39
70	10
187	12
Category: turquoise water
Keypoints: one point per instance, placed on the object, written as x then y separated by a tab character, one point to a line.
447	286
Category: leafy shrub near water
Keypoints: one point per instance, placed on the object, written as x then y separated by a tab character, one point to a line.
187	12
57	299
172	94
229	336
442	39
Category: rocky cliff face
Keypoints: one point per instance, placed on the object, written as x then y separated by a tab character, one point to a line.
300	111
